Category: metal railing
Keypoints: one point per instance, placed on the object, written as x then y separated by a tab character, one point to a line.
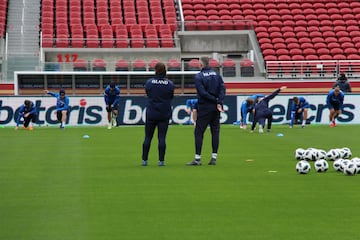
303	70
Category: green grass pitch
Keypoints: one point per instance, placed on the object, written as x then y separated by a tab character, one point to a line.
56	185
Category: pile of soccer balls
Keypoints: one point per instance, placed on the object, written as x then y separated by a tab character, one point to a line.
339	156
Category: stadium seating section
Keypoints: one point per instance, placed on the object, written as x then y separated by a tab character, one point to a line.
286	29
108	23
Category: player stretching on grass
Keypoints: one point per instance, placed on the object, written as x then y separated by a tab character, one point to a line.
247	106
334	101
299	107
62	106
112	97
262	112
29	113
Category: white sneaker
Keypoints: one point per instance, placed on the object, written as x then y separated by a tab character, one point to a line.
113	122
109	126
261	130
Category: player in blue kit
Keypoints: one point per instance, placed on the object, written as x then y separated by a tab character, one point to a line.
247	106
160	92
262	111
29	113
335	101
62	106
111	98
210	90
299	109
191	108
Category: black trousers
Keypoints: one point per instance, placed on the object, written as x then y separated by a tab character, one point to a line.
205	118
150	126
31	117
261	117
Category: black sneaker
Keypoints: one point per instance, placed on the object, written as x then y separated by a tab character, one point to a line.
194	163
212	162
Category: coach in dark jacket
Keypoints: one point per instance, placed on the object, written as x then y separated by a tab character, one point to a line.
343	83
160	92
210	93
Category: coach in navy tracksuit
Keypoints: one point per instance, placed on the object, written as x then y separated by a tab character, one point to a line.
211	93
160	92
263	112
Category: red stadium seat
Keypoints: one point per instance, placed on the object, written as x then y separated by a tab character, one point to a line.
193	65
152	63
229	68
80	65
173	65
107	38
139	65
62	41
98	65
122	65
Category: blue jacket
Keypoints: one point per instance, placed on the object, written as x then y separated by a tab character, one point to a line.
160	92
112	97
61	104
192	103
302	104
23	110
295	107
331	99
210	88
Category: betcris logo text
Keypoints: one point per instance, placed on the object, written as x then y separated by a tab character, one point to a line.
83	111
133	111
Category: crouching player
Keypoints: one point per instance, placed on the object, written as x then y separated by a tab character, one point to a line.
112	97
335	101
29	113
299	109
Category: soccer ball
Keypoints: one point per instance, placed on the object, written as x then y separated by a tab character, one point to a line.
346	152
337	165
321	165
332	155
299	152
356	161
310	154
350	168
303	167
321	154
344	163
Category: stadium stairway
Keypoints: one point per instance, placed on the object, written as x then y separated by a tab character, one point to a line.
23	36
